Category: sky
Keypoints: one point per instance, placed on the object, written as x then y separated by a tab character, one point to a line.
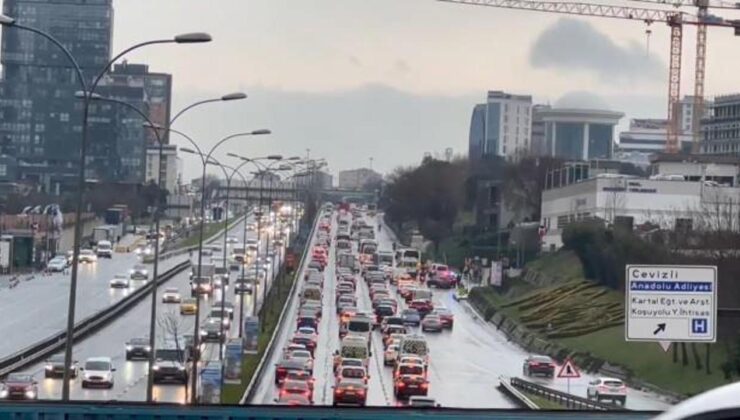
393	79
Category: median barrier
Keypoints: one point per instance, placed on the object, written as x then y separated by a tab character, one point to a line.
568	401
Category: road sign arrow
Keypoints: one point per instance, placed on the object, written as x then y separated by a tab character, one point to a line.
661	328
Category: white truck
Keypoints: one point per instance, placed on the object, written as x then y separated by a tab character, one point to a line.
104	249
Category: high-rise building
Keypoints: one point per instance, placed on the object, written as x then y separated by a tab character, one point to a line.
169	168
157	89
538	145
721	129
40	118
501	126
645	137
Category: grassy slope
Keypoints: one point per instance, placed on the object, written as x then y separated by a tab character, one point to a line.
647	361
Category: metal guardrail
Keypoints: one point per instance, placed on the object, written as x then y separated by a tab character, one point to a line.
37	352
567	400
507	388
251	387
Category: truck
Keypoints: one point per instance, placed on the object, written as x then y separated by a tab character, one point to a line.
206	270
104	233
104	249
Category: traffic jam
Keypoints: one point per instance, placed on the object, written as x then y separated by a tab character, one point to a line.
382	303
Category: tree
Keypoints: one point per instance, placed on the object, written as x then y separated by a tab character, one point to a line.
431	195
524	181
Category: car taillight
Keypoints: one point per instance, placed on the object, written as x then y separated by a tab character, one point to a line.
425	385
533	364
400	384
281	370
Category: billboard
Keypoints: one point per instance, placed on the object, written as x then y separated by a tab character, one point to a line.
251	334
496	273
233	362
210	383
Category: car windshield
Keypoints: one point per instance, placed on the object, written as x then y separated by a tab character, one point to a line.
411	370
169	354
359	326
139	341
97	366
19	377
350	372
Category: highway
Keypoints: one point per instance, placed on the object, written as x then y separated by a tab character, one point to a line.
465	363
131	376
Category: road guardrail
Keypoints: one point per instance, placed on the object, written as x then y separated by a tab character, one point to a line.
42	349
524	401
569	401
251	387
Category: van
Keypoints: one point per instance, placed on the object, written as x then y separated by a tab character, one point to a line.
414	344
362	326
104	249
408	253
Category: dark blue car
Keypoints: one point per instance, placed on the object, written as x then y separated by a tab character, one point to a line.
411	317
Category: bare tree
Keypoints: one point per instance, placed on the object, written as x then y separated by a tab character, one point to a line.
172	325
615	200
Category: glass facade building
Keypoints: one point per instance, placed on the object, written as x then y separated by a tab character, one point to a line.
579	134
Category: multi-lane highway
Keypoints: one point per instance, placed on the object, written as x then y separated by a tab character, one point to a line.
130	376
465	367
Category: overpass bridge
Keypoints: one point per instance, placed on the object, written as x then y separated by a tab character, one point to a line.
288	192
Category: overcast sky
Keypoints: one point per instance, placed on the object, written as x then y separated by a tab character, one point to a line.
392	79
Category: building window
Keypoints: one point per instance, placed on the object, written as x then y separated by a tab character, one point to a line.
3	170
64	117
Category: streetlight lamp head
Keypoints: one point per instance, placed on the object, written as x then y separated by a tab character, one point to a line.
294	158
275	157
186	150
234	155
193	38
261	132
6	20
234	96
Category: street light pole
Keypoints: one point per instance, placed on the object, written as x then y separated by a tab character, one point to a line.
205	158
88	90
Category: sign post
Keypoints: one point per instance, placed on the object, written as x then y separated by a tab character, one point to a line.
251	334
671	303
496	273
569	370
233	362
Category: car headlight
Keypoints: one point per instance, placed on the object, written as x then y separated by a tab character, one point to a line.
145	272
181	368
30	394
155	367
3	393
148	348
203	332
131	271
129	348
49	367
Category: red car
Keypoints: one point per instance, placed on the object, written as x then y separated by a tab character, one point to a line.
447	317
410	380
423	306
294	387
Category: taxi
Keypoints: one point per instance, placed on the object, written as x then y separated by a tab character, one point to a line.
188	306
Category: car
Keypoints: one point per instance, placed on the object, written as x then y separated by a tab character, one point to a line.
244	285
287	364
445	315
291	386
55	367
138	349
390	355
98	371
383	311
410	379
411	317
306	336
188	306
392	332
391	320
87	256
423	306
353	372
227	306
432	322
212	330
171	295
57	264
350	392
19	386
292	400
104	249
538	365
120	281
232	240
304	355
139	272
170	364
607	389
223	316
201	286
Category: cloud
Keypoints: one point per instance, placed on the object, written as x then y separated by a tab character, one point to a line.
401	66
355	61
575	45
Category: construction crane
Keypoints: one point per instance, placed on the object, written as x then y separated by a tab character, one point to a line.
675	19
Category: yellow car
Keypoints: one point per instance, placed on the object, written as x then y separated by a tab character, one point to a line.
187	307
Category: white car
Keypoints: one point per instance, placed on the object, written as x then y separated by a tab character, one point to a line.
87	256
98	371
57	264
139	272
607	389
390	355
171	295
120	281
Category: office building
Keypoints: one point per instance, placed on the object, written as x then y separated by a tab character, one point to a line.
644	138
40	118
157	90
579	134
357	179
721	128
501	126
538	146
170	174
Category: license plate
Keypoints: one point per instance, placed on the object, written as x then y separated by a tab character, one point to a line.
614	390
413	386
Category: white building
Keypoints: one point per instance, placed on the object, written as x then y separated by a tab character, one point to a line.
662	202
508	127
579	133
170	174
644	138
